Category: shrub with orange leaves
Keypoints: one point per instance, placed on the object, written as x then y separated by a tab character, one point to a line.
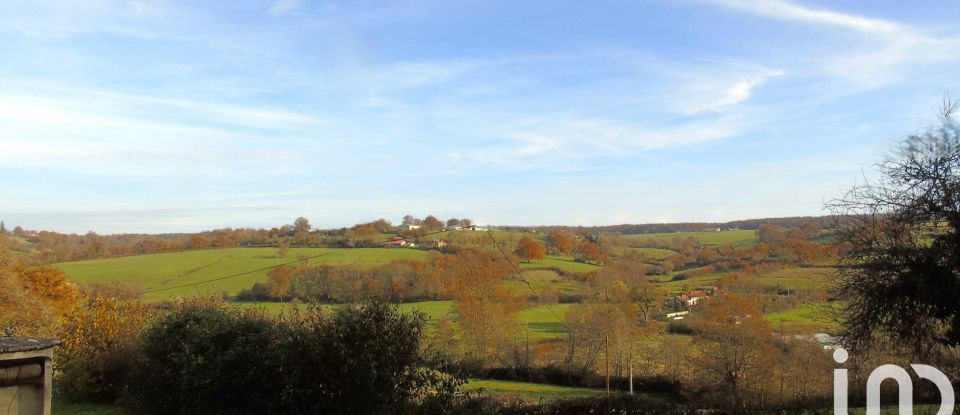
97	347
34	300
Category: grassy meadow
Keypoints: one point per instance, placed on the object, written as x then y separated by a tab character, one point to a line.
807	318
799	277
565	263
526	390
734	237
158	271
539	279
536	322
544	322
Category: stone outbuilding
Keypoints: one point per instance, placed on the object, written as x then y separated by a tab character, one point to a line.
26	375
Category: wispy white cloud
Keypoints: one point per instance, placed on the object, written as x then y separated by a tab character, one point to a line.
737	92
886	50
179	101
786	10
282	7
146	136
558	140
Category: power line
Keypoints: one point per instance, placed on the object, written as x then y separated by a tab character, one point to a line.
519	272
193	284
507	258
231	275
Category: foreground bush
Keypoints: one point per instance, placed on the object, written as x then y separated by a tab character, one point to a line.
96	353
204	358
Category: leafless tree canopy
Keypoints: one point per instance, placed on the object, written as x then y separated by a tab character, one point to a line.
900	244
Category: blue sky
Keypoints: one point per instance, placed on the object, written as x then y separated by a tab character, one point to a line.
169	116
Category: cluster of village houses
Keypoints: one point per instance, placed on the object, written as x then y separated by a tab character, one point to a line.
680	303
687	299
409	242
683	302
398	242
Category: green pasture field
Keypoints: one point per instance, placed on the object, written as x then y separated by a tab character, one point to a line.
179	268
676	286
545	322
791	278
499	235
799	277
540	279
525	390
655	253
434	310
808	318
736	238
564	263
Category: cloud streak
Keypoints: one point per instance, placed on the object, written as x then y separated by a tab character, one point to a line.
786	10
888	47
284	7
286	108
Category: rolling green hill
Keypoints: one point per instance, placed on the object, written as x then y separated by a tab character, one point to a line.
736	237
565	263
149	272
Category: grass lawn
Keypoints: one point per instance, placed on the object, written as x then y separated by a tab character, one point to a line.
65	406
655	253
434	310
737	238
499	235
675	287
178	268
808	318
533	391
545	322
563	262
799	277
540	279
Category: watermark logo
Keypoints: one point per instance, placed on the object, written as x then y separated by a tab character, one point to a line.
898	375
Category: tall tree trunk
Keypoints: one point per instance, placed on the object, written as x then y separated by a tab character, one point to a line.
630	362
606	359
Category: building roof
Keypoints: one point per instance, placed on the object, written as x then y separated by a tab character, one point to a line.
9	344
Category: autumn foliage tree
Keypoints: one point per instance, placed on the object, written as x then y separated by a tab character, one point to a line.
98	341
486	309
34	300
282	250
279	280
431	223
560	242
734	342
588	251
529	249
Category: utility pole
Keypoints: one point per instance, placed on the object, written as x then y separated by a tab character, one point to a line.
630	362
526	358
606	359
